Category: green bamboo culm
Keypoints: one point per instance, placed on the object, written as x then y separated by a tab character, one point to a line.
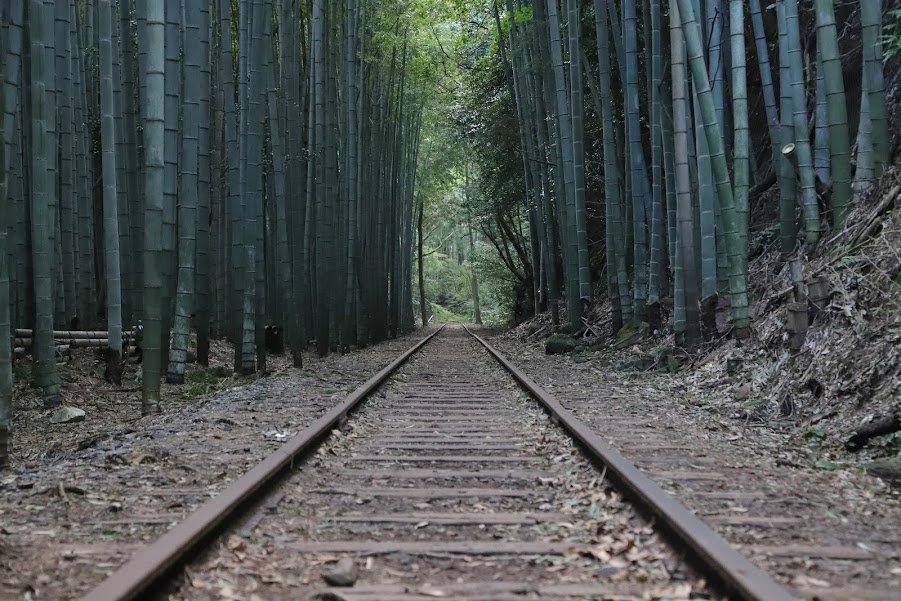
706	206
43	192
188	196
788	228
576	84
565	185
616	251
656	280
6	372
110	199
742	132
154	152
837	111
635	160
205	187
803	157
874	79
821	132
865	171
686	313
711	129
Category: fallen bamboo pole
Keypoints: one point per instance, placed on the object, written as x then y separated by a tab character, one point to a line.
74	334
73	342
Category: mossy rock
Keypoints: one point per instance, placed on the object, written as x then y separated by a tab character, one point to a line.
631	333
559	344
887	468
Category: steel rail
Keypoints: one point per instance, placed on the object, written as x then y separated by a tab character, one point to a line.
733	570
148	567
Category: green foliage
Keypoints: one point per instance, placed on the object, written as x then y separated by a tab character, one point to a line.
447	284
892	31
196	390
499	289
442	314
206	376
203	381
470	166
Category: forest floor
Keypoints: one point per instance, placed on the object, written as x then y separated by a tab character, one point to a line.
81	497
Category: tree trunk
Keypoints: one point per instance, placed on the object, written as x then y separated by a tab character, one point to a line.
423	307
476	302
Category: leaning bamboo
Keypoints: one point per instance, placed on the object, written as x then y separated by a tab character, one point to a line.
712	131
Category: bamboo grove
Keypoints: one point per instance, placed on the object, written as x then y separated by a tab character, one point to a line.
701	107
224	167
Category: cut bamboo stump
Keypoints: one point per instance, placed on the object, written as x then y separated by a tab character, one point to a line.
818	294
797	325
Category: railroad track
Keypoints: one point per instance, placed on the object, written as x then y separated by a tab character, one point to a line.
440	478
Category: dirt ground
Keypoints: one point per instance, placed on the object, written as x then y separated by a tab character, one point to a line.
79	498
816	520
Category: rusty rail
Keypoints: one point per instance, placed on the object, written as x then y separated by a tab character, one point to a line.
146	569
712	554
